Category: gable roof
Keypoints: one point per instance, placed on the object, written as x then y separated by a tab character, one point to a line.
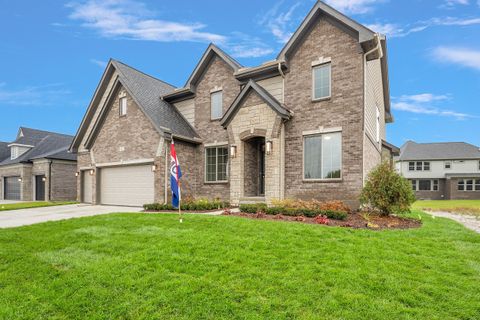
273	103
438	151
44	144
4	151
146	91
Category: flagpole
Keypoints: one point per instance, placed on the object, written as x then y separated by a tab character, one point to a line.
180	203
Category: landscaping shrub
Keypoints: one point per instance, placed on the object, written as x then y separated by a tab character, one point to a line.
190	204
253	207
310	213
386	191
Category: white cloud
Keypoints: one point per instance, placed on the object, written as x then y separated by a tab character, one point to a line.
449	4
131	20
45	95
462	56
393	30
354	6
424	103
280	23
242	45
100	63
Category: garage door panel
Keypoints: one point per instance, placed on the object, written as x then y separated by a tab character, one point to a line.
12	188
128	185
87	180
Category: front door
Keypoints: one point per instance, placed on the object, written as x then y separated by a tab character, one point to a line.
40	188
261	170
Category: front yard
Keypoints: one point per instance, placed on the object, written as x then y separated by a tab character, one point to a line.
33	204
469	207
134	266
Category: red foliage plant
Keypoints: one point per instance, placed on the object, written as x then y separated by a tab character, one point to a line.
321	220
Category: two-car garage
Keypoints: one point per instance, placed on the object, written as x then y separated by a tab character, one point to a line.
131	185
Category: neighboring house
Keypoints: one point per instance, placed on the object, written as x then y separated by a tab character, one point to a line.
4	151
38	166
309	124
449	170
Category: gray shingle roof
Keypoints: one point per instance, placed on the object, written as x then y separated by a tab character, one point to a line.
4	151
45	144
147	91
438	151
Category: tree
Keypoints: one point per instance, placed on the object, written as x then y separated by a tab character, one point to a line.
386	191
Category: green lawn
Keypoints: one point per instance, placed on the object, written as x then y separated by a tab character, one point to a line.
146	266
33	204
458	206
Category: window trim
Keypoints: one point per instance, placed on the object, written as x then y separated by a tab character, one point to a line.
216	147
120	109
415	168
221	104
316	66
432	185
341	158
464	184
449	164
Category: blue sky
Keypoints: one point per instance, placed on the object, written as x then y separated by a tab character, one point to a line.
52	54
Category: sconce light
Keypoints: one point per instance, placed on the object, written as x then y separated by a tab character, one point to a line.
77	174
44	179
20	179
154	167
92	171
268	147
233	151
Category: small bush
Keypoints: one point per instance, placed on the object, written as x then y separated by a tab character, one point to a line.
275	210
189	204
253	207
386	191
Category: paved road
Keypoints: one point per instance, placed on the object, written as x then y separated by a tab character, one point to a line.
470	222
22	217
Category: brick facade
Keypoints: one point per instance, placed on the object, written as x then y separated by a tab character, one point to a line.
454	193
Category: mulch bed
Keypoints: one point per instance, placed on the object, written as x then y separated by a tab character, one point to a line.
355	220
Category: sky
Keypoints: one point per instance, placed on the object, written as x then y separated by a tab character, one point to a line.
53	54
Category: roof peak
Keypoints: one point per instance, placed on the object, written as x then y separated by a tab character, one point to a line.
44	131
141	72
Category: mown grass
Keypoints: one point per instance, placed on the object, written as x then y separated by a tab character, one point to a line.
33	204
470	207
147	266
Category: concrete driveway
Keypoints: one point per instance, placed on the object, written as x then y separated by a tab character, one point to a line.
22	217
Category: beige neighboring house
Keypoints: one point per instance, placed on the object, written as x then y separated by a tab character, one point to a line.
447	170
37	166
309	124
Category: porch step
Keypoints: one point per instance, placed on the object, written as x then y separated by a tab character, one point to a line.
252	200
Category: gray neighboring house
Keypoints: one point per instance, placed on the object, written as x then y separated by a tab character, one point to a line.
309	124
449	170
37	166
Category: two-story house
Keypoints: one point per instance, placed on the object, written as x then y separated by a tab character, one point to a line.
448	170
309	124
37	166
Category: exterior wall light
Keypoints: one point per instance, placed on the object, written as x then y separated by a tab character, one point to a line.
77	174
20	179
268	147
92	171
154	167
233	151
44	179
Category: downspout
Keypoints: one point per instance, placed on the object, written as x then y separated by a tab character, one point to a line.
280	70
50	180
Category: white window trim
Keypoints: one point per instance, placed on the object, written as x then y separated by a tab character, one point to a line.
303	156
423	165
313	81
474	189
221	107
417	185
216	165
445	165
122	98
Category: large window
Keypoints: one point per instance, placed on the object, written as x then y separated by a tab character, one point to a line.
123	106
419	166
216	105
323	156
216	161
321	81
469	185
425	185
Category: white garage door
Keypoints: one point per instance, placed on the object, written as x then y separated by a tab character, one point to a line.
86	187
127	186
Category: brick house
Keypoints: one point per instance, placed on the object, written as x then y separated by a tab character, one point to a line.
37	166
449	170
309	124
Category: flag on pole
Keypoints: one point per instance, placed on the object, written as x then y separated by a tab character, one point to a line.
175	175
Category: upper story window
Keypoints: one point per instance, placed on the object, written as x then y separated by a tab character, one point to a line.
14	153
123	106
448	164
419	166
478	164
216	161
322	156
216	105
321	87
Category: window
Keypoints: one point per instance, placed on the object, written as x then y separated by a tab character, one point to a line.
478	164
477	185
414	185
424	185
461	185
426	166
435	185
448	165
216	105
322	156
321	81
216	160
419	165
469	185
123	106
411	166
378	125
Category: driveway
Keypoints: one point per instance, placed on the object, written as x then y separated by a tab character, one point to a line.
22	217
470	222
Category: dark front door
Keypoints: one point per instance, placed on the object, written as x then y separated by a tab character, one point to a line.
261	170
11	188
40	188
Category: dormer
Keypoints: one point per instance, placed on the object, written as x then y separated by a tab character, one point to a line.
16	150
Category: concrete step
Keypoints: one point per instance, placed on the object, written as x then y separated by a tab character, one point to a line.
252	200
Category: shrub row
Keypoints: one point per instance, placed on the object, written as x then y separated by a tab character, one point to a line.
311	213
201	204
